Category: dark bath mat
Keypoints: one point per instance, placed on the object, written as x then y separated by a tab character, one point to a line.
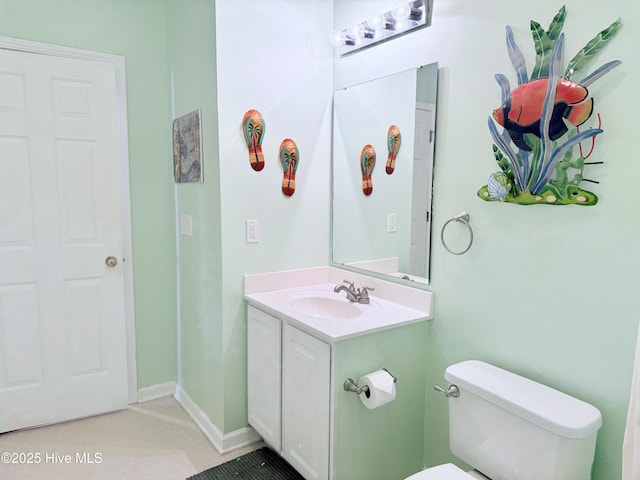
262	464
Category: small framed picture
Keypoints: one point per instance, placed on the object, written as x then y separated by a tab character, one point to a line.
187	148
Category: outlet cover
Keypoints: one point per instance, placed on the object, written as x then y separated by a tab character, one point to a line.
392	223
253	231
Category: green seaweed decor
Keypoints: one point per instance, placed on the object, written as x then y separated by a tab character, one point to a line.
541	118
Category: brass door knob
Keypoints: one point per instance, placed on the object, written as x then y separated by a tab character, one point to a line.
111	261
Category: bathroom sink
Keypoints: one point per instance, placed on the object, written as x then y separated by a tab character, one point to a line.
330	316
320	305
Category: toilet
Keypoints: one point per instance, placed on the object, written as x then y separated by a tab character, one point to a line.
508	427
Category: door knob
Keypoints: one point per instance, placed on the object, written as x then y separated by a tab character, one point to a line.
111	261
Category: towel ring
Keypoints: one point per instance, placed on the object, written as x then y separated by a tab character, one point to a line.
462	218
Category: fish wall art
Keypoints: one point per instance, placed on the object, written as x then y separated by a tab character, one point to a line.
545	129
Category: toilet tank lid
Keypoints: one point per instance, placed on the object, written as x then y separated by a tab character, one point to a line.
544	406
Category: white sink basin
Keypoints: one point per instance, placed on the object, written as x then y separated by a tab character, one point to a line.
330	315
325	305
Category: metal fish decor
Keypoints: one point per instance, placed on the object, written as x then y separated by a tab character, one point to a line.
539	129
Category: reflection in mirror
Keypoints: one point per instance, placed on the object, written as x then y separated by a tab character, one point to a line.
387	232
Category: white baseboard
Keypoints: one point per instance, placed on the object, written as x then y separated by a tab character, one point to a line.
156	391
223	443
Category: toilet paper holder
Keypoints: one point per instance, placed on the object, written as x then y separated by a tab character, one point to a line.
350	386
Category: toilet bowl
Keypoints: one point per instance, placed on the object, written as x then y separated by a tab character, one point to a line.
508	427
447	471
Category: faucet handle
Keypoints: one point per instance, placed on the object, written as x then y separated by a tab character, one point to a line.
350	284
364	291
363	294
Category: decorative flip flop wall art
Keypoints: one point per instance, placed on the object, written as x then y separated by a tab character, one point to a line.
253	126
394	139
540	133
367	162
289	158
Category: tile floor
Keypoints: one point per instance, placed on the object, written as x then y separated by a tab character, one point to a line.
155	440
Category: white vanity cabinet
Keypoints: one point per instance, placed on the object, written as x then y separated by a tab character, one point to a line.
289	384
304	341
264	387
306	363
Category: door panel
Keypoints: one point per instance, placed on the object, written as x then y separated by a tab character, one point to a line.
306	367
23	361
62	321
264	387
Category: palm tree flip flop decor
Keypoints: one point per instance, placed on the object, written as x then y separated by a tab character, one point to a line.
367	162
289	157
394	139
253	127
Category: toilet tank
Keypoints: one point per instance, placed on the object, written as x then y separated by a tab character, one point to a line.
511	428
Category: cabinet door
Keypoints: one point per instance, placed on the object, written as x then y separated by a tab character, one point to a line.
305	403
264	375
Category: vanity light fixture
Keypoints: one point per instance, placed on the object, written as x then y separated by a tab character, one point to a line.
402	18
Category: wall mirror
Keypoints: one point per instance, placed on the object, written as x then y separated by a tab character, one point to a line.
386	233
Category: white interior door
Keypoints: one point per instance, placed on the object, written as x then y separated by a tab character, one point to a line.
421	196
62	322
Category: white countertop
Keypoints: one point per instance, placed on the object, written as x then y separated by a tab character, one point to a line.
358	319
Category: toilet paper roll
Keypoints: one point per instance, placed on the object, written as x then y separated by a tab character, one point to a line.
382	389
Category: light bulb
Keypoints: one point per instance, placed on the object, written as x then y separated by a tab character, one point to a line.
401	11
377	23
356	30
337	38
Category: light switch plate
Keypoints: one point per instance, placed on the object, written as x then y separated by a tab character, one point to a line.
186	225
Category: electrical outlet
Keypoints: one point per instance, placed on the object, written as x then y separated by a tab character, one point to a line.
392	223
253	231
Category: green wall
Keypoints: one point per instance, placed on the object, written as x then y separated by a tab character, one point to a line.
387	442
548	292
192	65
135	30
225	61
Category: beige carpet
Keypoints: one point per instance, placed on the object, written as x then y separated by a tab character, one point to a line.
155	440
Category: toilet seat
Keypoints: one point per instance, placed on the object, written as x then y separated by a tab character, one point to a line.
448	471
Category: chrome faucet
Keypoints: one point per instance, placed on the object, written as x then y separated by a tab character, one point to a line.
350	290
360	295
